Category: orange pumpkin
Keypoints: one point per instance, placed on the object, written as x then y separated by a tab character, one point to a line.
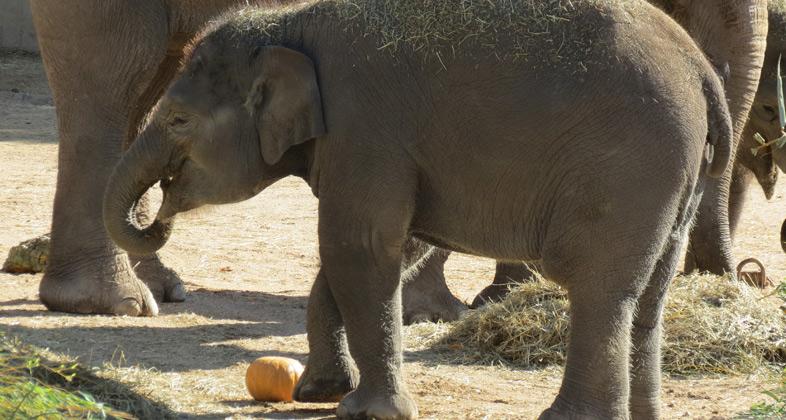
273	378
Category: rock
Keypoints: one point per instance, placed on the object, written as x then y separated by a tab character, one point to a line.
29	256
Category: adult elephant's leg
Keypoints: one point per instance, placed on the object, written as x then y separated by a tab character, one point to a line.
98	62
165	284
425	294
709	244
330	372
508	274
740	182
733	33
703	252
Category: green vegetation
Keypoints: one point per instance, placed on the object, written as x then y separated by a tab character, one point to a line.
25	393
780	291
33	387
773	409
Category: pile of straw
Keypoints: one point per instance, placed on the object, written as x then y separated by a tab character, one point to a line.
711	325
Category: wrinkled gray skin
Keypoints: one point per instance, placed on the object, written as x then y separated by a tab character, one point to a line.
764	120
134	51
739	42
730	32
107	63
389	157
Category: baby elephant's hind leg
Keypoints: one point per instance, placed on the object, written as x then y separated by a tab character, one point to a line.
646	358
330	372
605	269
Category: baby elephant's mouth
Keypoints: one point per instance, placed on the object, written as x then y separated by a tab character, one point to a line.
167	209
165	182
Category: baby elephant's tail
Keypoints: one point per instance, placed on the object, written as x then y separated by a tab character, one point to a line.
718	152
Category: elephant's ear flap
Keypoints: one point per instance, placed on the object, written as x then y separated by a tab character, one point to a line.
285	102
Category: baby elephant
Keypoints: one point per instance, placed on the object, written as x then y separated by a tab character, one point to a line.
575	133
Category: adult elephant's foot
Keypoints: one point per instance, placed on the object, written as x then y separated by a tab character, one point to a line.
322	382
491	293
165	284
506	276
364	403
105	285
426	297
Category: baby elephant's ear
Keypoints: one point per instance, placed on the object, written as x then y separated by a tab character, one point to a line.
285	102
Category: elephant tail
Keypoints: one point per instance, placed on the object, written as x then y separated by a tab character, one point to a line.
719	149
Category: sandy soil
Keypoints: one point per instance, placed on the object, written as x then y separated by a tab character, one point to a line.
248	269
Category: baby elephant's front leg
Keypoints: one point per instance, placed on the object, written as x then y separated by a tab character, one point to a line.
363	270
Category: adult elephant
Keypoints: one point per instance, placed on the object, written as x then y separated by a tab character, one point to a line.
739	40
108	62
763	167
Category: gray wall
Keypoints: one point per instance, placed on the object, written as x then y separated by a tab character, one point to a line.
16	26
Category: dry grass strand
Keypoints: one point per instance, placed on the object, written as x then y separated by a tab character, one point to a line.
711	325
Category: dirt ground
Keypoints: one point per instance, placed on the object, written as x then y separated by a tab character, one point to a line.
248	269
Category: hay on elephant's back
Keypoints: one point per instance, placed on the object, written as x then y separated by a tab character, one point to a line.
711	325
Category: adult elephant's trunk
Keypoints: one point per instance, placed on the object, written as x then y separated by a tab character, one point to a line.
783	235
732	32
139	169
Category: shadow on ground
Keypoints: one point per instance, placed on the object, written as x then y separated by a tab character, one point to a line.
202	333
241	305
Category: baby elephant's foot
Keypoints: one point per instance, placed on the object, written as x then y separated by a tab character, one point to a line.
561	409
325	386
360	404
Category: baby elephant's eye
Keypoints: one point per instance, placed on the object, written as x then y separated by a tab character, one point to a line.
178	120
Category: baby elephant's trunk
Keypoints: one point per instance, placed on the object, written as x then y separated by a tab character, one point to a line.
139	169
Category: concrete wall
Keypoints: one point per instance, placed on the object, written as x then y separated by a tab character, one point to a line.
16	26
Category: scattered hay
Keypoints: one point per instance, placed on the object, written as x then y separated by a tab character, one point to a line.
28	257
716	325
439	30
432	25
711	325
